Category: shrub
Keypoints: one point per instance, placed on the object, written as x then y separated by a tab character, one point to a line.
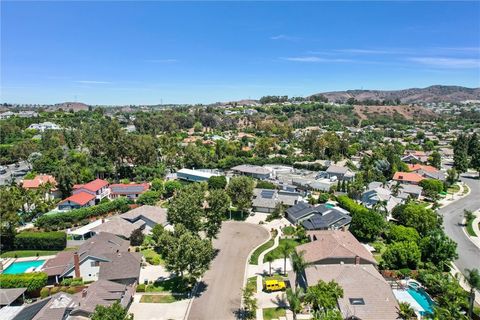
41	241
350	205
71	290
54	290
141	288
136	238
32	281
82	214
44	292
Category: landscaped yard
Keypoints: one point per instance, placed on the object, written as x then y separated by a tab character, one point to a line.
275	276
176	285
273	313
470	230
152	257
252	283
263	247
288	230
159	298
277	252
454	188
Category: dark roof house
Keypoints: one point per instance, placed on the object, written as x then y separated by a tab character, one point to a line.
321	217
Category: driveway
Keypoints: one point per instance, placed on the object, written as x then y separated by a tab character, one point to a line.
468	253
221	297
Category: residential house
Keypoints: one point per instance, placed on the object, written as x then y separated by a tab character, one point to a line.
335	247
130	190
77	201
340	172
61	306
102	251
118	226
257	172
428	172
98	188
407	177
150	215
40	180
44	126
195	175
10	297
378	194
266	200
415	156
366	295
321	217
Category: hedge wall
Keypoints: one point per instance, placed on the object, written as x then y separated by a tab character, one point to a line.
63	220
32	281
350	205
40	241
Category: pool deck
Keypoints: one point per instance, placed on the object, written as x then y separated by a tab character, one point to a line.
8	261
404	296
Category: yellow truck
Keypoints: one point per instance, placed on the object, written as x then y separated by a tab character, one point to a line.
274	285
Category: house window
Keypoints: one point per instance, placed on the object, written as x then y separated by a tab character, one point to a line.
357	301
94	263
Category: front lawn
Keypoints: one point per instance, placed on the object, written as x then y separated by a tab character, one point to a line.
27	253
277	252
259	250
174	285
454	188
159	298
273	313
252	283
470	230
152	257
275	276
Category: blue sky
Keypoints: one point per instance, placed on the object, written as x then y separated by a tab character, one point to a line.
200	52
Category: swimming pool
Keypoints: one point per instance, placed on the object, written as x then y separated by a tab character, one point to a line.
423	299
23	266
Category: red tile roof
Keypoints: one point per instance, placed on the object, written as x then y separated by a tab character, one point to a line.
81	198
94	185
38	181
407	176
416	167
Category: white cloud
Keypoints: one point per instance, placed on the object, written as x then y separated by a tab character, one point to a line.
283	37
92	82
447	62
314	59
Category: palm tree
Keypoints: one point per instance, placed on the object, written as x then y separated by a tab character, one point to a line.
269	258
294	299
405	311
299	264
473	279
286	249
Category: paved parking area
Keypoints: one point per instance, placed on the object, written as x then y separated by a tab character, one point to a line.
158	311
222	296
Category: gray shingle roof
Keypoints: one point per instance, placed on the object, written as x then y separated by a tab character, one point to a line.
155	214
7	296
122	265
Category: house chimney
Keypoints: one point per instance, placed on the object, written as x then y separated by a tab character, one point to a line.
344	228
76	264
357	260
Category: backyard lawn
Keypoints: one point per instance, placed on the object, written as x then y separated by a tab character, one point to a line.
273	313
152	257
159	298
27	253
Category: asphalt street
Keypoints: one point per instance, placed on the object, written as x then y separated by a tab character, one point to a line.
221	298
6	177
468	253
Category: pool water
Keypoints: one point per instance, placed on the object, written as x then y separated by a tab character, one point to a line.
422	298
21	267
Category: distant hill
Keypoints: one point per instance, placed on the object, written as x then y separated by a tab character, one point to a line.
437	93
75	106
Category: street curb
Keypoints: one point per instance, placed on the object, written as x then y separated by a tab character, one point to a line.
464	229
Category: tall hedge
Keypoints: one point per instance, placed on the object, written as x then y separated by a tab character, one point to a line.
64	220
41	241
32	281
350	205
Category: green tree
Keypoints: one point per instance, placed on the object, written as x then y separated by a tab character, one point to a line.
269	258
401	255
65	180
299	264
416	216
460	153
249	302
473	279
113	312
438	249
294	299
157	185
171	186
149	197
218	206
136	238
10	204
435	159
398	233
287	250
452	176
186	207
324	295
240	190
431	187
405	311
367	225
217	182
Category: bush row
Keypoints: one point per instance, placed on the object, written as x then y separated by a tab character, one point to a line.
32	281
45	292
350	205
67	219
40	241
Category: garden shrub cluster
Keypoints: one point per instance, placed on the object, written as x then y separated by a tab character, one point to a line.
40	241
32	281
68	219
